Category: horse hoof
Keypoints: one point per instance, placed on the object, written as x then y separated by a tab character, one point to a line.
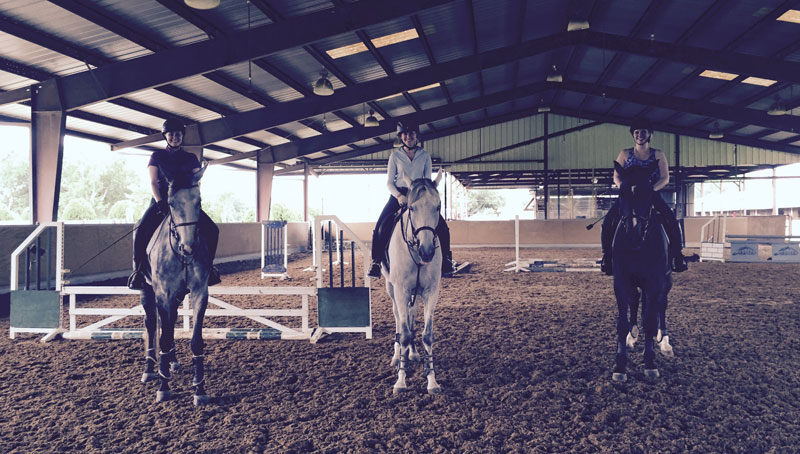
201	400
146	377
399	390
175	367
619	377
163	396
651	374
435	391
630	341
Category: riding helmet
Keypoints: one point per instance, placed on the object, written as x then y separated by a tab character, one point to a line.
401	128
641	123
173	125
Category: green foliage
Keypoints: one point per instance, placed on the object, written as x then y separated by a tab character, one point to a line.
124	210
279	212
228	208
78	210
14	191
484	202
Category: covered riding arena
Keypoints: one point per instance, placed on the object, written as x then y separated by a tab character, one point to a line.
536	95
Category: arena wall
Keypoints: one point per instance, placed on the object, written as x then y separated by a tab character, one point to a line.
243	241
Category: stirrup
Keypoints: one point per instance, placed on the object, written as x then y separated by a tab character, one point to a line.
605	265
136	281
213	276
375	270
678	263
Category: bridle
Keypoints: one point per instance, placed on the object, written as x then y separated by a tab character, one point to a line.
186	259
643	219
414	244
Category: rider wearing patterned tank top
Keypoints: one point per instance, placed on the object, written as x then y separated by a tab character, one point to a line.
643	155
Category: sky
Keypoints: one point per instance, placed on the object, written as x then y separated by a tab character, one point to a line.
360	198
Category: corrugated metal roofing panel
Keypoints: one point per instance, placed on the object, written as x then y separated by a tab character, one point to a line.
216	93
464	87
542	18
155	20
619	17
290	8
169	103
111	110
447	29
263	82
10	81
495	23
18	50
236	145
100	130
301	67
729	22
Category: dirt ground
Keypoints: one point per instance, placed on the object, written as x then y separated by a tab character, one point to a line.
524	360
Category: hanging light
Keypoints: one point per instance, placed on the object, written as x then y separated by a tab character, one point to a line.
555	76
716	133
577	24
371	121
323	86
202	4
777	108
542	106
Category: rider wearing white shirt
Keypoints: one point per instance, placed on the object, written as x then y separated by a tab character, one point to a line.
413	161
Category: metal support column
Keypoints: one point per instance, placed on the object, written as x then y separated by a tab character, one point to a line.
48	123
545	140
264	173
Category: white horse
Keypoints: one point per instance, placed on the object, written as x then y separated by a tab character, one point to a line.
413	270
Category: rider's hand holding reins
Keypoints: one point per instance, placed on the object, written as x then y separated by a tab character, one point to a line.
402	200
163	207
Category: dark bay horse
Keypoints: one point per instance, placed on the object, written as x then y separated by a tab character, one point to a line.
640	261
413	272
179	265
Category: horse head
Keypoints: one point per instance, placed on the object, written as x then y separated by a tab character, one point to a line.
423	215
636	201
184	207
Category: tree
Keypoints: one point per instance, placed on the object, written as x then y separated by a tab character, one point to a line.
279	212
78	210
14	191
484	201
228	208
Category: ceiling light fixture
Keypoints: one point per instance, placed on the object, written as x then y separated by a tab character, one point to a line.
777	108
555	76
577	24
716	133
202	4
323	86
371	121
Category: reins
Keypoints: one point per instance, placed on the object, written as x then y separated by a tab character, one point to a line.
105	249
414	244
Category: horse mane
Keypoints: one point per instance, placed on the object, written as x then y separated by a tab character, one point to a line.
182	182
419	185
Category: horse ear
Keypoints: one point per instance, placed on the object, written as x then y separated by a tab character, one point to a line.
404	178
438	177
199	173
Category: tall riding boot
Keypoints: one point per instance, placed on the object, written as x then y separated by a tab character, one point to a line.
210	232
136	281
607	238
443	232
677	261
377	254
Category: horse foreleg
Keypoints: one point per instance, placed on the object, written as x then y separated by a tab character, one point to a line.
406	338
651	309
396	355
429	370
623	294
663	337
174	365
199	303
165	342
633	332
150	321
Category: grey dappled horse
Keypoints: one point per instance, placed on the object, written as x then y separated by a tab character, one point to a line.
640	260
179	264
413	270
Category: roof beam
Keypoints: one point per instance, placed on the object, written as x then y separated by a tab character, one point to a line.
678	130
129	76
708	109
246	122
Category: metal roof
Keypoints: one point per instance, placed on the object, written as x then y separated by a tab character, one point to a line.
491	59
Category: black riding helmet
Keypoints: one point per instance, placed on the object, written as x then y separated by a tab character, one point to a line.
641	123
401	128
172	125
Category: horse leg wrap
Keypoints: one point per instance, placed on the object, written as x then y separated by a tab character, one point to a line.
401	365
428	367
163	366
199	371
